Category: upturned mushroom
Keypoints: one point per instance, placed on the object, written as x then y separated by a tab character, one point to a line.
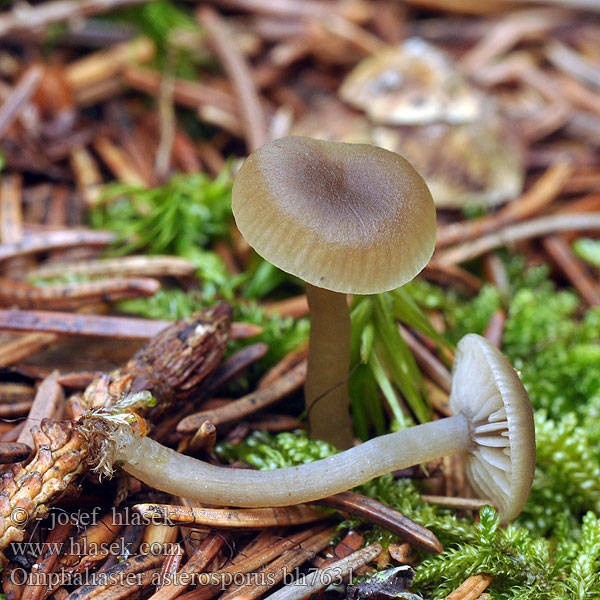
347	219
492	426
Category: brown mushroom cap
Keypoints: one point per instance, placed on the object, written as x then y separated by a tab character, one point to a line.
488	392
352	218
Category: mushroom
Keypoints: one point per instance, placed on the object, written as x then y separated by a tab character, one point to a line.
347	219
492	426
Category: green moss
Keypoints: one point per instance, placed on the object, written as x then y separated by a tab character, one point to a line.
556	353
589	250
462	315
179	218
567	478
168	25
523	564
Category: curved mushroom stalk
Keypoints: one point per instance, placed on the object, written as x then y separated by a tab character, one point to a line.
198	481
493	427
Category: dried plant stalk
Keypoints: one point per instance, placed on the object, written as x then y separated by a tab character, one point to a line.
387	517
472	588
132	328
24	346
125	266
55	240
217	518
74	295
249	404
13	452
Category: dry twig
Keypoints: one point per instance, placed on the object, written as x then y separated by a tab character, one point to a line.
217	518
234	63
249	404
472	588
387	517
515	233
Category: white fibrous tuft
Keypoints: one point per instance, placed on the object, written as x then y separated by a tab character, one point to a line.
108	428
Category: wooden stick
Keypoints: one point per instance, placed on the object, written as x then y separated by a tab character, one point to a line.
573	63
542	193
74	295
502	36
48	404
12	410
576	4
249	404
170	567
119	163
87	176
561	254
238	518
166	122
458	503
25	346
288	362
97	325
20	95
512	234
234	63
307	585
11	217
234	365
185	153
351	542
294	307
495	328
274	572
53	240
274	423
191	94
495	273
11	432
11	221
357	12
46	561
472	588
247	561
128	543
133	565
386	517
16	392
125	266
25	18
13	452
579	94
452	275
100	68
430	364
194	566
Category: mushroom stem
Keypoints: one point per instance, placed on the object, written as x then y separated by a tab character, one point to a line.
171	472
326	388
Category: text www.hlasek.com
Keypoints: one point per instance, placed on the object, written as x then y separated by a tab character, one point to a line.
19	576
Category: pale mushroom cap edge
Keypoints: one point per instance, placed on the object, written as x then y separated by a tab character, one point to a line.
487	390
